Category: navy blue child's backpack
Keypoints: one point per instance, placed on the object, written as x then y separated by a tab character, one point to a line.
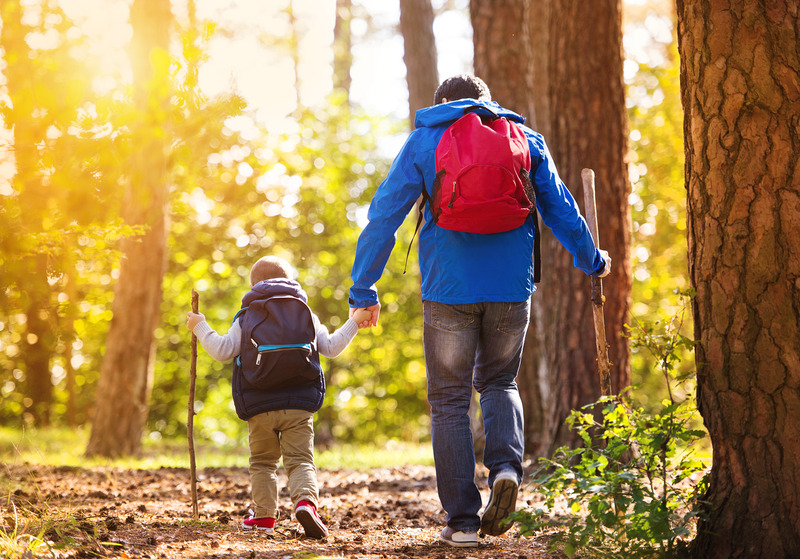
279	343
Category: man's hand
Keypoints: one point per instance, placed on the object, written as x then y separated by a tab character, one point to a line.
375	310
607	258
193	319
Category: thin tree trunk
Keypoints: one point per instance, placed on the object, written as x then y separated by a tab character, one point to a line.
422	75
740	81
342	47
126	373
294	50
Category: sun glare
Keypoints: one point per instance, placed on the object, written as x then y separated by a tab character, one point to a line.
244	55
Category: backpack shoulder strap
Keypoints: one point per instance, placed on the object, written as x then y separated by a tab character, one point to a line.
426	198
238	314
537	230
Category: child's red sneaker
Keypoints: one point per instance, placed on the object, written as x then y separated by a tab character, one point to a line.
306	514
264	524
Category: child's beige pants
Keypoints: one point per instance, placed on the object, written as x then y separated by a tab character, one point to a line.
287	433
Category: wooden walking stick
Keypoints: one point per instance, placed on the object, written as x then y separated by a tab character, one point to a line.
603	364
190	422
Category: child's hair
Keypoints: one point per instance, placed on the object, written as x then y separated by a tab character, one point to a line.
464	86
269	267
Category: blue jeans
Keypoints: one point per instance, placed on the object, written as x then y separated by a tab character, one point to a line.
477	344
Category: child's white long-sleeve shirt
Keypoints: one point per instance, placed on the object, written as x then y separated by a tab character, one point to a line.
227	346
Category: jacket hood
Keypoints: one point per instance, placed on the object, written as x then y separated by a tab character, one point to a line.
445	113
272	287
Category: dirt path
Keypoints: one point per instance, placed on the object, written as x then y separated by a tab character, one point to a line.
102	512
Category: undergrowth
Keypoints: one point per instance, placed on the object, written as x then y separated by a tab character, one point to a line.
631	490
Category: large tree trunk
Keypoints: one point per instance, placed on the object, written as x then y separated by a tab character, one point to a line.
740	72
502	42
588	129
560	63
39	339
505	60
422	75
123	391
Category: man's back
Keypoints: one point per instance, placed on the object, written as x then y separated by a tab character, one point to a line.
458	267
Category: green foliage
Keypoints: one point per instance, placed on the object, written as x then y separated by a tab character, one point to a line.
58	219
237	192
299	195
658	199
630	490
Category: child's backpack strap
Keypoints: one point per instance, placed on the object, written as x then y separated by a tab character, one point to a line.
238	314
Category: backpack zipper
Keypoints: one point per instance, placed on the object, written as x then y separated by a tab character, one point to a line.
270	348
452	196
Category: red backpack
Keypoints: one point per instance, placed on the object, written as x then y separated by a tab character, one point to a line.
482	182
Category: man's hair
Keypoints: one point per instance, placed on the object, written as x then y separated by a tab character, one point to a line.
270	267
464	86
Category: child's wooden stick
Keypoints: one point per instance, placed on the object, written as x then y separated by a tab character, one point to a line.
190	423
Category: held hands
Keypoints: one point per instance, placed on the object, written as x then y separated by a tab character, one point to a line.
607	258
366	317
193	319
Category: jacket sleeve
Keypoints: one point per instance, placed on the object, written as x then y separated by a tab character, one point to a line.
331	345
393	200
220	347
560	211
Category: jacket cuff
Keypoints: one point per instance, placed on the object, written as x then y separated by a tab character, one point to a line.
362	298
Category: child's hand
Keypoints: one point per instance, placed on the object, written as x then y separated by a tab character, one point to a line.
193	319
362	317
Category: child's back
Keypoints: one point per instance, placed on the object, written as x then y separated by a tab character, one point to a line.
278	384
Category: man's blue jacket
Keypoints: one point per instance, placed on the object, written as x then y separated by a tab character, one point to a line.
458	267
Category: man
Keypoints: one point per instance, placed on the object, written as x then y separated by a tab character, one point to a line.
476	291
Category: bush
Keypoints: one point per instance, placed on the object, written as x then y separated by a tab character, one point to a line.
626	492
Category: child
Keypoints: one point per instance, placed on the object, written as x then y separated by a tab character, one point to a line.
277	386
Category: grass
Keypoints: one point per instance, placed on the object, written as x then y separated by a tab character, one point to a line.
56	446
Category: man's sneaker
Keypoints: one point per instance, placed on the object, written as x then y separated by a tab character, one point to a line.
306	514
456	538
264	524
502	502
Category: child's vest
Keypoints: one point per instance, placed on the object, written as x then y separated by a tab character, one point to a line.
482	182
279	342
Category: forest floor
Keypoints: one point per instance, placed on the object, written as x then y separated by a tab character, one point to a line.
70	512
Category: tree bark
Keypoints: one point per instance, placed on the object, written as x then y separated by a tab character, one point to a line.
502	42
740	81
588	123
559	62
422	75
125	383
